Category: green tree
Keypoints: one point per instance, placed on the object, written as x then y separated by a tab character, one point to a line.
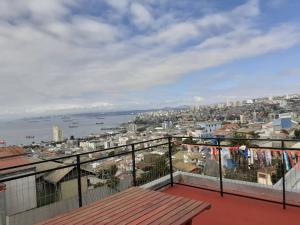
189	140
157	169
236	140
109	174
278	170
111	154
297	133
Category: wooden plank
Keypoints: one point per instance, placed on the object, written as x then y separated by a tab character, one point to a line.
155	214
153	211
89	207
192	210
192	214
187	209
111	207
125	209
150	207
159	217
134	206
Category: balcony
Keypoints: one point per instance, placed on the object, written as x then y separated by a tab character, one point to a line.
234	210
250	182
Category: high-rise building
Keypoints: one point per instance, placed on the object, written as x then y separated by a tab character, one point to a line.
58	135
242	119
132	128
254	116
167	124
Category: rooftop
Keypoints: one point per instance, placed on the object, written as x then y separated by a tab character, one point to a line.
233	210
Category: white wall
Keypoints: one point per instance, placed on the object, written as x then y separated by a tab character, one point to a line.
20	195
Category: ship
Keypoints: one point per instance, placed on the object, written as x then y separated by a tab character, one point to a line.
29	137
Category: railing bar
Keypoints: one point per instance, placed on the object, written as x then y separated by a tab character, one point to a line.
133	165
170	160
153	146
254	147
245	139
220	168
79	180
283	177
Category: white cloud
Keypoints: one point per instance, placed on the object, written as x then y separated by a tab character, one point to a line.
141	15
198	99
82	61
119	5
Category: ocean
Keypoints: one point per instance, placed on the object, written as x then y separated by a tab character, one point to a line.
26	131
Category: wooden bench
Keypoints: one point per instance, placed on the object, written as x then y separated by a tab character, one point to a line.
134	206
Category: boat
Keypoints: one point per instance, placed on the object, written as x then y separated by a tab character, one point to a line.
29	137
73	126
99	123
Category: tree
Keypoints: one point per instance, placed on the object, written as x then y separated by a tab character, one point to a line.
278	170
236	140
109	174
189	140
297	133
157	169
111	154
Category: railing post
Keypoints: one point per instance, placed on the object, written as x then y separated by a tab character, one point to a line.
170	159
283	175
79	180
133	165
220	168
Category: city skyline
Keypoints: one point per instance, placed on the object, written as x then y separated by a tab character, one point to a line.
71	56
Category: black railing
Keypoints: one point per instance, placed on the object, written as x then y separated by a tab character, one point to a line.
216	142
158	169
13	173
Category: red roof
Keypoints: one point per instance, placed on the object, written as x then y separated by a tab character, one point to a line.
11	150
12	161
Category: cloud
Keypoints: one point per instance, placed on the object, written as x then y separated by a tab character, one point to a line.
141	15
71	58
198	99
119	5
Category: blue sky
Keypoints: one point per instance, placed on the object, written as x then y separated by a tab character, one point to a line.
99	55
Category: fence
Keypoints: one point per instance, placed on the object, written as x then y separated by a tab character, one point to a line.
45	188
242	166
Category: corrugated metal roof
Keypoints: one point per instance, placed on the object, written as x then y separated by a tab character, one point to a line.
45	165
11	150
57	175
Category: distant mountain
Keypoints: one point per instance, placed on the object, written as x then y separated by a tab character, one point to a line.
127	112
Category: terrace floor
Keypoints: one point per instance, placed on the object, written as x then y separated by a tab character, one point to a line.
234	210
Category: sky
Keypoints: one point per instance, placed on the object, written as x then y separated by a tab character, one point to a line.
61	56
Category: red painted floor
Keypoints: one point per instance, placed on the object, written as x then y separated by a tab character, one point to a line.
232	210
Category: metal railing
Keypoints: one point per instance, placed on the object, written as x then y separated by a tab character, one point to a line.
155	168
17	179
217	142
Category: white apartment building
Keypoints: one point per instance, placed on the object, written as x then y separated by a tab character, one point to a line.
58	134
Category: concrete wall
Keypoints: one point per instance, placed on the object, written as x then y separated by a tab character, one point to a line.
37	215
69	188
2	205
244	188
20	195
